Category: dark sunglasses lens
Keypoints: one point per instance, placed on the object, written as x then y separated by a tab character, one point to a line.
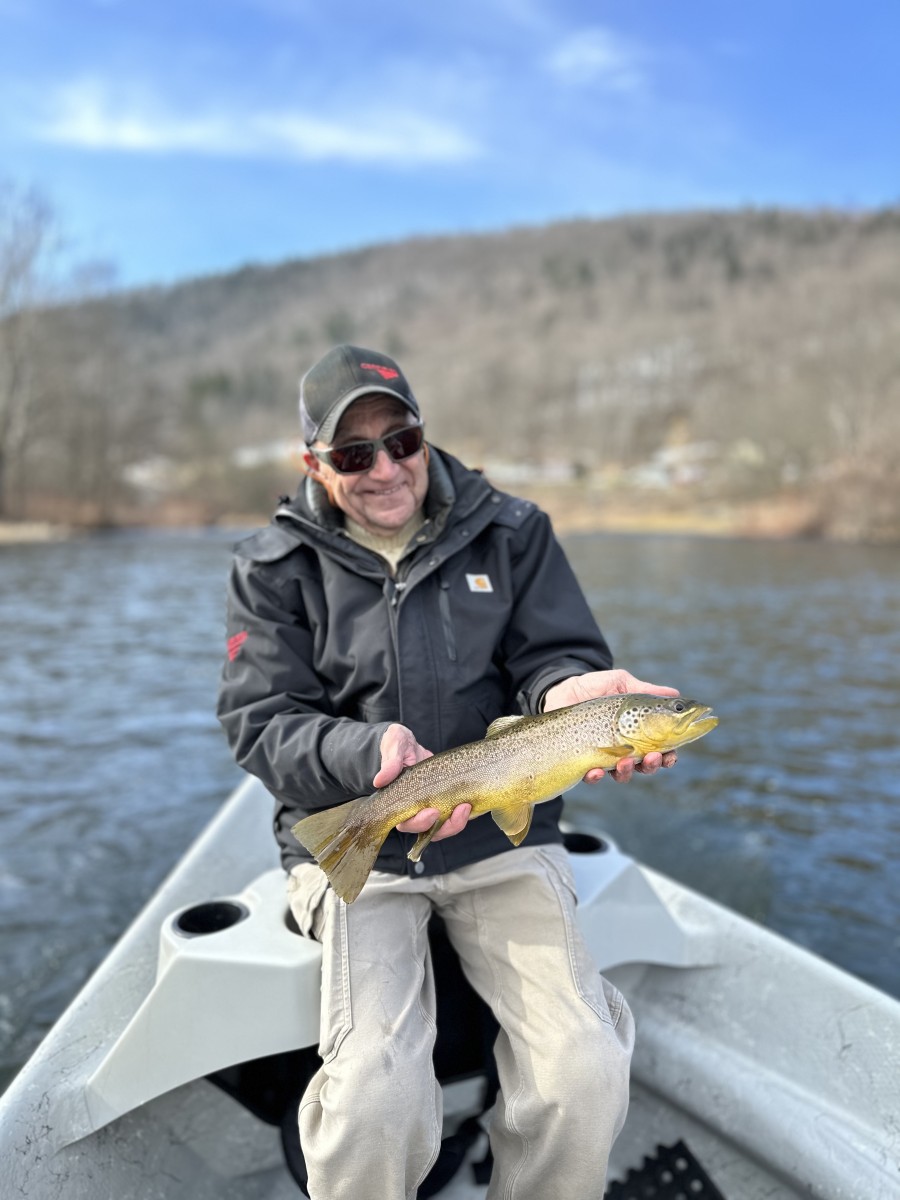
360	456
404	443
354	458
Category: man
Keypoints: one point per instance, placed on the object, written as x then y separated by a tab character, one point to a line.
394	608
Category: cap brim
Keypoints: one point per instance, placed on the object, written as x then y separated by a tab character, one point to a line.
328	428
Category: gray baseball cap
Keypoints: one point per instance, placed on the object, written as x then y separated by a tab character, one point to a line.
343	375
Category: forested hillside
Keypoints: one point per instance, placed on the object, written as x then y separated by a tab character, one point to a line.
683	361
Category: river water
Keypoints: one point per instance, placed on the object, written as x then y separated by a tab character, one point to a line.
111	760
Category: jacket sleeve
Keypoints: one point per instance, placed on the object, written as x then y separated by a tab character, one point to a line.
272	705
552	633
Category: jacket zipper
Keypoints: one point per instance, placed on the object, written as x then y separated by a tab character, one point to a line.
393	590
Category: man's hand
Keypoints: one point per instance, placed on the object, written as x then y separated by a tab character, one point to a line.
400	749
611	683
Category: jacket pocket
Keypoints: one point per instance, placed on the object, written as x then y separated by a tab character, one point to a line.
447	618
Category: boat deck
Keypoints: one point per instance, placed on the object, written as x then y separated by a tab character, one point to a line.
775	1068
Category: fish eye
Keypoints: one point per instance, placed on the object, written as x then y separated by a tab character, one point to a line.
679	706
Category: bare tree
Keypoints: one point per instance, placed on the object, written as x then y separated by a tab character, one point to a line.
26	234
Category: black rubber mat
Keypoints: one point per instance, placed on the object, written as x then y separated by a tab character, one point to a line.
672	1173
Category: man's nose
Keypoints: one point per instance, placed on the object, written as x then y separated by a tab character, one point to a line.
383	466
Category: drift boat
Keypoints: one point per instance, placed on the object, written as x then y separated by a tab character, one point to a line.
761	1072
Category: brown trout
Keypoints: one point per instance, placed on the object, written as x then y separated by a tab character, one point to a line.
521	761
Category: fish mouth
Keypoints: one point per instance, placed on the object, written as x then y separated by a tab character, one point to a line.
705	715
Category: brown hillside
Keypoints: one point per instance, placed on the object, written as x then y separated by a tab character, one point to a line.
647	362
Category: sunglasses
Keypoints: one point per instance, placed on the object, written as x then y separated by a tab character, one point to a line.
357	457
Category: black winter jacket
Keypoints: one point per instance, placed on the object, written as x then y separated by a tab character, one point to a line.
326	649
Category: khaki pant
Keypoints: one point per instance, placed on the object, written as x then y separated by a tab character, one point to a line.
370	1120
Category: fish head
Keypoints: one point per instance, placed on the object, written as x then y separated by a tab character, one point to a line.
662	722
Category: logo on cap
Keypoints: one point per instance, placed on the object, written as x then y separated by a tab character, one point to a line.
384	372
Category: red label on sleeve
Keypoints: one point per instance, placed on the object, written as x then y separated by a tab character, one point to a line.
235	643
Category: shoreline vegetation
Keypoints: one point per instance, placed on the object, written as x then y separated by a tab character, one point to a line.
572	510
721	373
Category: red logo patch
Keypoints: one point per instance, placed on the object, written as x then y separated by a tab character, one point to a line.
235	643
384	372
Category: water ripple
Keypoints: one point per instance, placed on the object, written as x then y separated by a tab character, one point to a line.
111	760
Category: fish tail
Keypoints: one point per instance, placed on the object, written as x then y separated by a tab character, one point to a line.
344	844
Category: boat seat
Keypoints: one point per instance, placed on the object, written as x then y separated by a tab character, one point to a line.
236	983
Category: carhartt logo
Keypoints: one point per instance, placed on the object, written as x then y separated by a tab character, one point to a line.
479	583
235	643
384	372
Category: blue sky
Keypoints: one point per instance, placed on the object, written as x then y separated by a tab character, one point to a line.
177	139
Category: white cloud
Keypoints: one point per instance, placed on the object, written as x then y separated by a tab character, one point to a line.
84	114
600	57
396	136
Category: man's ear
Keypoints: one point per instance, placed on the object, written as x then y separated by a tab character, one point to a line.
312	468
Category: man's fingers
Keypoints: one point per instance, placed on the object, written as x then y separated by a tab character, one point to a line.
651	764
455	823
420	822
387	774
626	767
615	682
399	749
624	770
424	820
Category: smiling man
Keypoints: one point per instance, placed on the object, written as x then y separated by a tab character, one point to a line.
384	499
394	608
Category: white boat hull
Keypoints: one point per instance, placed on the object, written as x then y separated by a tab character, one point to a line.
778	1070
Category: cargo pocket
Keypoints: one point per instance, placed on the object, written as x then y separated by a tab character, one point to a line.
593	988
336	1014
320	914
307	885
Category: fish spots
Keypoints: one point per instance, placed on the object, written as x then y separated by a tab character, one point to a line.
630	720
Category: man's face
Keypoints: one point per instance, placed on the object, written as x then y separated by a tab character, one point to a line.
384	498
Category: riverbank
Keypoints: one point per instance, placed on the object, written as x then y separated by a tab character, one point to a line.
18	532
575	510
572	509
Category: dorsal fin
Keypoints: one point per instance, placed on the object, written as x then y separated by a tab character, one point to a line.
502	725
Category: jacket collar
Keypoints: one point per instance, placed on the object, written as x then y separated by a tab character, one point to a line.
454	492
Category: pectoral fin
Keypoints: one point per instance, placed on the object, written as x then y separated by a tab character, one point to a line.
423	839
515	822
615	753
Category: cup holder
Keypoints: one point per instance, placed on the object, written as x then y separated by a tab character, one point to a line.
584	843
210	917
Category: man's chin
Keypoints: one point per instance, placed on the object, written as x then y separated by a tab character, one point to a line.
388	520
